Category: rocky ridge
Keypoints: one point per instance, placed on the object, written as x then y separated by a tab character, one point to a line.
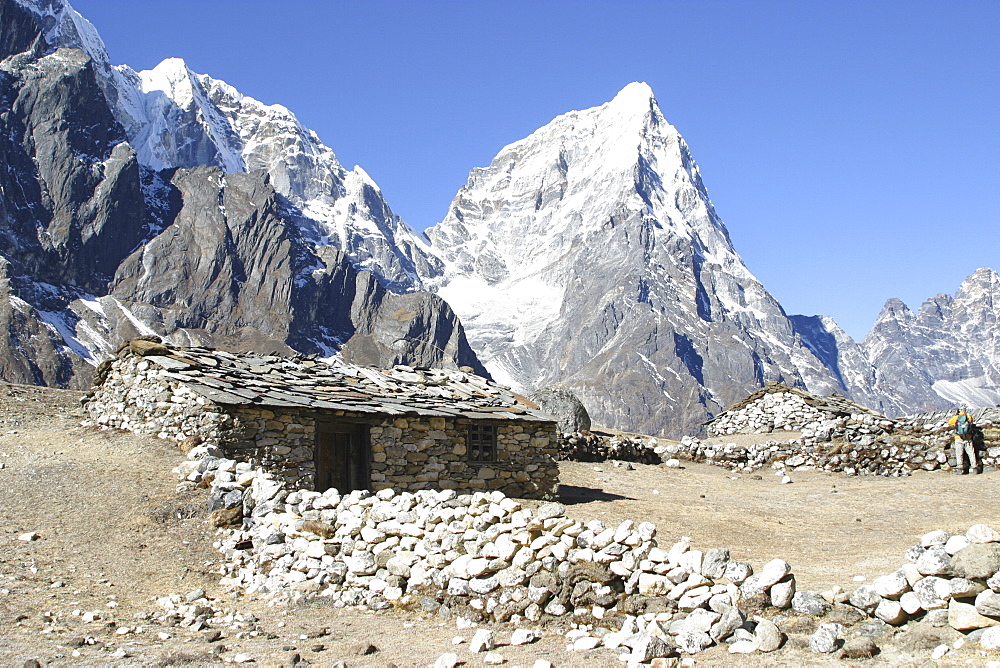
96	246
175	118
946	354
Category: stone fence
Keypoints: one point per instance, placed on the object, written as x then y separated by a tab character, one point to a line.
834	435
485	557
590	447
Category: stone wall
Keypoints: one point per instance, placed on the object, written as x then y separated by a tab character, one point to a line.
430	453
887	457
407	453
484	557
590	447
278	440
137	396
857	443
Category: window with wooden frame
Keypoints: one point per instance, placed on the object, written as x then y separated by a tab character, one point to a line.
481	443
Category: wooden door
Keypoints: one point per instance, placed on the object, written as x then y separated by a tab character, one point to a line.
341	457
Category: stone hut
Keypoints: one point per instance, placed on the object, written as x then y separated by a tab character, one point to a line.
778	407
323	426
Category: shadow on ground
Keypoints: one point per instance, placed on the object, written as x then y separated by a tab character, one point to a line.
571	494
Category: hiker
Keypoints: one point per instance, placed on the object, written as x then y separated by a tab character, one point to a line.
965	447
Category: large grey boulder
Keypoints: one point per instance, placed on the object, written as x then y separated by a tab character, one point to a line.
979	560
560	402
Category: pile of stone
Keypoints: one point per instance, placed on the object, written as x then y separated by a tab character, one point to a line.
590	447
196	611
778	407
949	580
484	557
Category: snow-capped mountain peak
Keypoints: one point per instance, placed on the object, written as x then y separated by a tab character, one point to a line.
174	117
171	77
589	250
945	354
63	26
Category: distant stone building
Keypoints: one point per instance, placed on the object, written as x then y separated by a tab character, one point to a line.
778	407
324	426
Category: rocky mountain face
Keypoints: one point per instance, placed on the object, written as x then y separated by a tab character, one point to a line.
97	244
630	291
945	354
174	117
587	254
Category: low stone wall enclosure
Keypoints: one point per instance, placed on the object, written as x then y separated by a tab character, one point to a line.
484	557
439	536
834	434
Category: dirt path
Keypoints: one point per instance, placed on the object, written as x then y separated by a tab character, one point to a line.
114	534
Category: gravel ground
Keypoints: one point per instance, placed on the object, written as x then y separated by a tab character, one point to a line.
113	534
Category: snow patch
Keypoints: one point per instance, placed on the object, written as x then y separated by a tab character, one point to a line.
972	392
140	326
64	325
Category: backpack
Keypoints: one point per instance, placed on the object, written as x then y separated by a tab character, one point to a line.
963	426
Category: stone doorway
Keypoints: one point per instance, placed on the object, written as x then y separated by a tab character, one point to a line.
341	456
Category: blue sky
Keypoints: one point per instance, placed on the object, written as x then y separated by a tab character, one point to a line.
852	148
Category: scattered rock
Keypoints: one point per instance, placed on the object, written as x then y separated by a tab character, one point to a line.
861	647
361	649
482	641
446	660
523	637
826	639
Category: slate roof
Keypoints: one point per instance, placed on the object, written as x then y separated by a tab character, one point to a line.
247	379
833	403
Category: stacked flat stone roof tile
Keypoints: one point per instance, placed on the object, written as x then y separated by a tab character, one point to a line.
269	380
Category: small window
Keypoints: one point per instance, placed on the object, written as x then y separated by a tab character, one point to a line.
482	443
